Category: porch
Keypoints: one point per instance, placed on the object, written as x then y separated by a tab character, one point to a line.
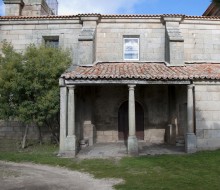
132	109
119	150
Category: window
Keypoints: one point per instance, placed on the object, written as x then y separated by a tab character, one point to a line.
51	41
131	48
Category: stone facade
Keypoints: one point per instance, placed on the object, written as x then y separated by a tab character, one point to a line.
201	39
175	109
207	97
27	8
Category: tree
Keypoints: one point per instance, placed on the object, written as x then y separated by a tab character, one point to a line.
216	2
10	67
29	88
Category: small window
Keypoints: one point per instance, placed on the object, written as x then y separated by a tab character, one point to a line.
131	48
51	41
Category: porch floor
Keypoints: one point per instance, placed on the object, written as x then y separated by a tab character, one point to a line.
118	150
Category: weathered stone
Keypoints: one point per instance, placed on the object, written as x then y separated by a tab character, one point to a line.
133	146
190	143
63	115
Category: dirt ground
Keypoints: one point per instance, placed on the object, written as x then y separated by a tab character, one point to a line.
28	176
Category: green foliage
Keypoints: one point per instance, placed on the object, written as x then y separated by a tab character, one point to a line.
29	88
216	2
10	69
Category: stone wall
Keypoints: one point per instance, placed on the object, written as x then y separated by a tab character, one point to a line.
109	45
14	130
155	99
22	33
201	40
107	104
207	108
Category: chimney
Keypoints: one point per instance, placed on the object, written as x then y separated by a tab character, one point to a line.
13	7
30	7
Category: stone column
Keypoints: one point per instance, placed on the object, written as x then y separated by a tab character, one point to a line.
190	137
71	137
63	115
132	139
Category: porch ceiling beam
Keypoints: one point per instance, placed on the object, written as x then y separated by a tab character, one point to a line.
134	82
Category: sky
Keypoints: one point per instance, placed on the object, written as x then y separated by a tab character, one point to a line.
187	7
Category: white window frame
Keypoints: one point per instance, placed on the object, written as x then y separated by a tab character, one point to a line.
134	38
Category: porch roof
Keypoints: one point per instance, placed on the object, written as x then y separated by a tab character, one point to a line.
144	71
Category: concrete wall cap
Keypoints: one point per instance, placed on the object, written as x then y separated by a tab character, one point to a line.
178	18
13	2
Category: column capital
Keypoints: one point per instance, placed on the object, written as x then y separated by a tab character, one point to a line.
190	86
131	86
71	87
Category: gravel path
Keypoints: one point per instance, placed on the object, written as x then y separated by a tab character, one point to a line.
26	176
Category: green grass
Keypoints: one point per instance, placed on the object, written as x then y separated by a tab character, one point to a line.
198	171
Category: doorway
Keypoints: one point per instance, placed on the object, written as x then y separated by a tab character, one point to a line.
123	129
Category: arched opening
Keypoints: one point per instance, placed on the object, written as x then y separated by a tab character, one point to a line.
123	129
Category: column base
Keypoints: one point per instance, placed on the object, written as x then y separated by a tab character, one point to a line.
70	145
190	143
133	146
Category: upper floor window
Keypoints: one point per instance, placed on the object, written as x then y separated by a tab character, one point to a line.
51	41
131	48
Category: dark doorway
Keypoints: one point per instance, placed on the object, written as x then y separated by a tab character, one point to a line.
123	121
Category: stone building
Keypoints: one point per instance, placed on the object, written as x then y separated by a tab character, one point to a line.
134	78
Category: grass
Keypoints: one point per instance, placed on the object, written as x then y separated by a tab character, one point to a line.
169	172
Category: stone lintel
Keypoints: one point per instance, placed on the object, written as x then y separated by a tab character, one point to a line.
123	82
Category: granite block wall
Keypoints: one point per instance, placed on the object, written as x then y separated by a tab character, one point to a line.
207	108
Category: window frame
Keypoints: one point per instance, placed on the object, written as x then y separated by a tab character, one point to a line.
131	37
47	39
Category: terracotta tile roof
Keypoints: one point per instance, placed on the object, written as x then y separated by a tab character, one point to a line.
37	17
145	71
105	16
